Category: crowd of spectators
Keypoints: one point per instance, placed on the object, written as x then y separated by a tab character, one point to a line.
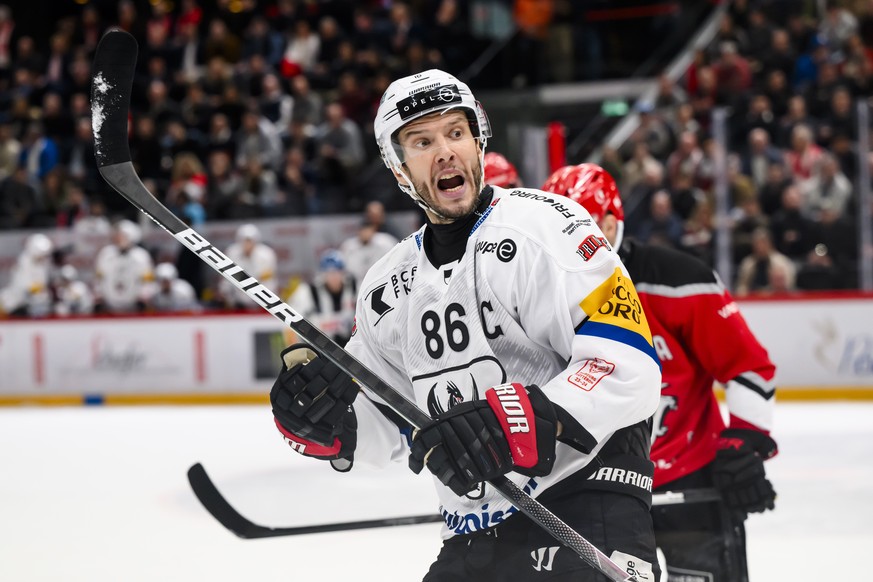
255	109
789	84
245	109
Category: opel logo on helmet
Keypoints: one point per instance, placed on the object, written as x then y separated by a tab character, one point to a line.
447	94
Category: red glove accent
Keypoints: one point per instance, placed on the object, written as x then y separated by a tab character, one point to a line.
513	409
309	448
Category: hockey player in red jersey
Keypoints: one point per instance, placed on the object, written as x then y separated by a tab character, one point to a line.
700	337
500	172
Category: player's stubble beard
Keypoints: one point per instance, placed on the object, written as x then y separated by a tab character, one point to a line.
425	193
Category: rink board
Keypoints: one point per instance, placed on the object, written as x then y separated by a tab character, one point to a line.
822	347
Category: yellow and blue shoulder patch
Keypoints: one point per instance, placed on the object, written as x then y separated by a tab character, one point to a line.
614	312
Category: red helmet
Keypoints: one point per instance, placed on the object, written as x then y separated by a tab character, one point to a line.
588	185
594	189
499	171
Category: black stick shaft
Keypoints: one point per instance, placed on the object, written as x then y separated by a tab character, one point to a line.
218	506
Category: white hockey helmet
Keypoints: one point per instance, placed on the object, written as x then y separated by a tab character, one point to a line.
38	246
130	231
248	232
418	95
166	272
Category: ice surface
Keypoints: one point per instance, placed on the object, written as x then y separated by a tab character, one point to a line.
100	494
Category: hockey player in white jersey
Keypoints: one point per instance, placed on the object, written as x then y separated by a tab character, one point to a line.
507	319
256	258
28	291
168	293
122	269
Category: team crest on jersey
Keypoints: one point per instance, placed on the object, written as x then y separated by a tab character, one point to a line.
448	388
589	246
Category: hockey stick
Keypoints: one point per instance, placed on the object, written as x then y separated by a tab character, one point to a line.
113	70
231	519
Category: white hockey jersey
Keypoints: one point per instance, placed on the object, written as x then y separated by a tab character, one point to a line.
121	276
537	298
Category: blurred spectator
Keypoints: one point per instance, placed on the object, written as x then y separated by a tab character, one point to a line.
829	187
697	238
122	268
839	119
685	160
220	135
804	156
780	55
195	110
145	148
686	196
759	116
301	52
28	291
220	42
275	104
7	30
261	188
17	198
226	190
792	231
307	104
652	130
732	72
261	40
256	258
10	149
832	262
748	219
257	139
797	115
638	200
80	161
71	296
369	244
297	184
39	153
340	155
759	156
168	293
838	24
778	92
329	300
770	193
639	164
663	227
753	275
500	172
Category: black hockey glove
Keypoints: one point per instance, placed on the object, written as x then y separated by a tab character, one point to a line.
312	405
512	429
738	470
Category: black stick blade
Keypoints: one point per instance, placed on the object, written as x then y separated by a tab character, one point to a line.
216	505
111	86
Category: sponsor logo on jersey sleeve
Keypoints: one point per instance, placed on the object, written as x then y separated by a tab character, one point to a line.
591	244
614	312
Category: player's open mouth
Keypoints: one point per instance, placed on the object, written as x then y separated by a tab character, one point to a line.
450	183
